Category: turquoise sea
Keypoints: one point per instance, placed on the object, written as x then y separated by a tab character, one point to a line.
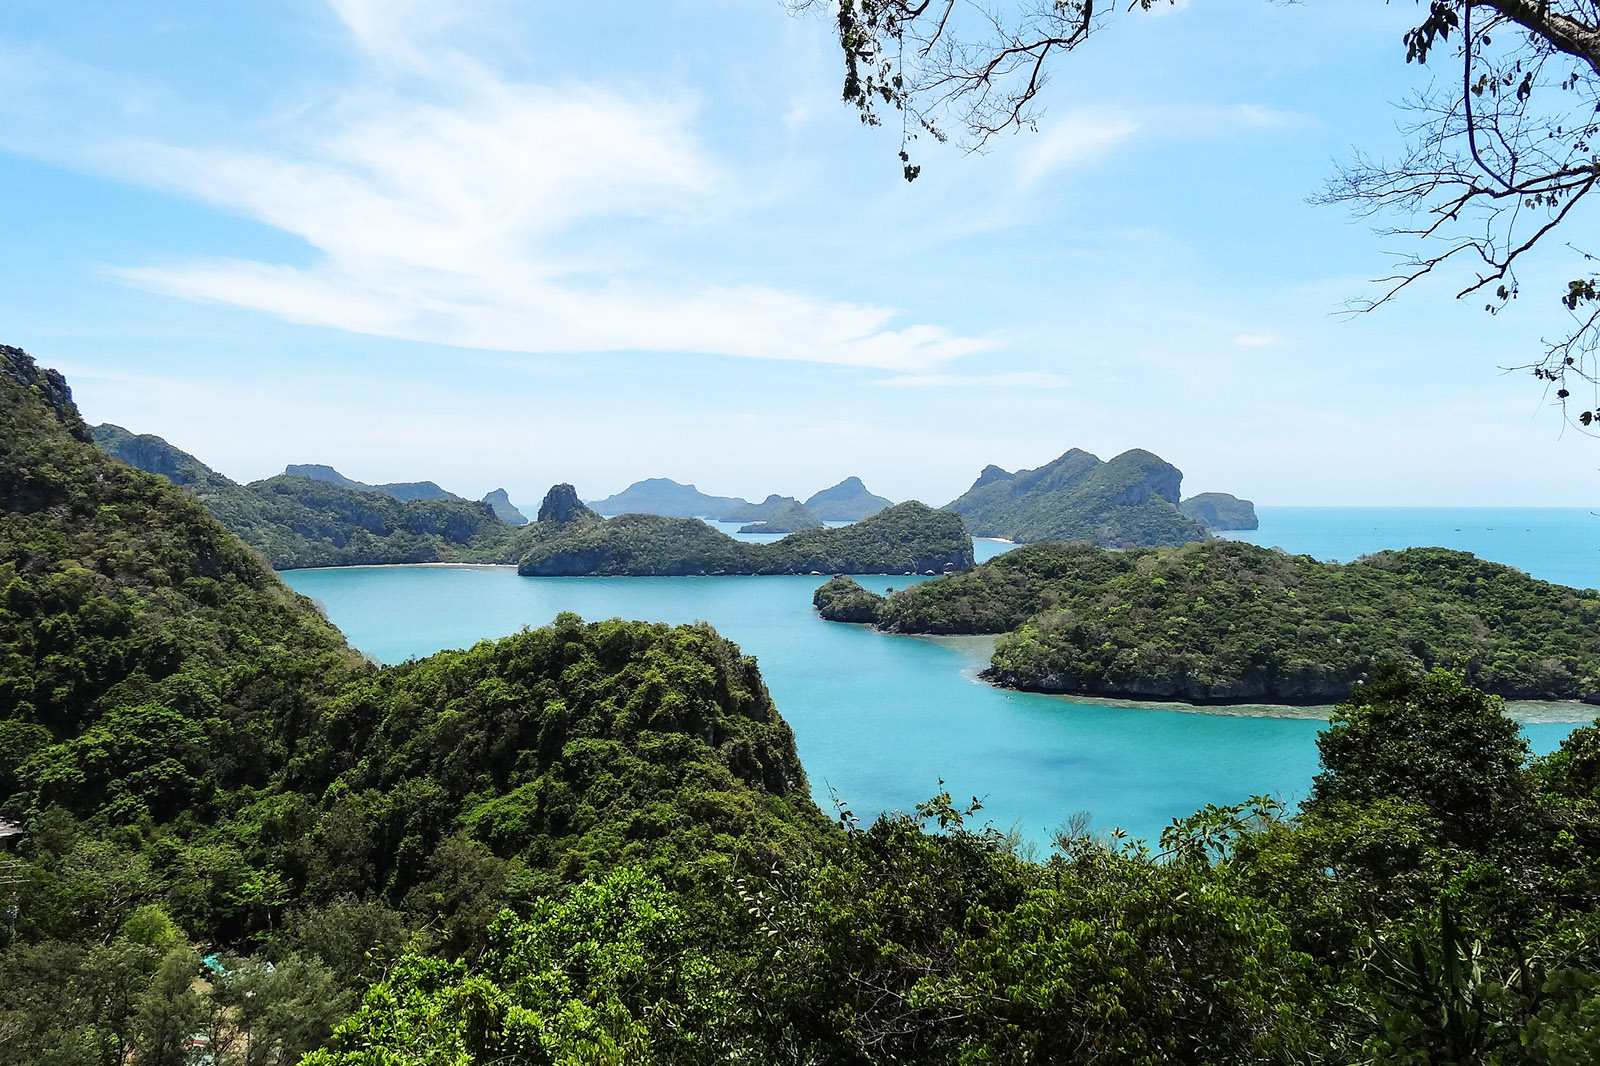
881	719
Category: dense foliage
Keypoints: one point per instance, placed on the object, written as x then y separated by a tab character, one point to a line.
299	521
1130	501
842	599
907	538
594	844
1433	902
193	754
1220	620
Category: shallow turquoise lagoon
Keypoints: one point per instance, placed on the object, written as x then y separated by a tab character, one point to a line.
880	719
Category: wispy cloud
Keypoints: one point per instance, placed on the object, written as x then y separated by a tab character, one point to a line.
447	203
1257	340
1078	138
1073	139
1022	379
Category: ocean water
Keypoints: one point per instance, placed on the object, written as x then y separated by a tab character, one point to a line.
880	720
1560	544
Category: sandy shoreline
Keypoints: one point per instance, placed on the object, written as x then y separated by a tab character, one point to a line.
978	649
395	566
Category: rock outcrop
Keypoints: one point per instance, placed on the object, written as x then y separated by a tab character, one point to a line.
504	509
1220	511
561	505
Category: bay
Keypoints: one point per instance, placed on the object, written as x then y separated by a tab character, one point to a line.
880	720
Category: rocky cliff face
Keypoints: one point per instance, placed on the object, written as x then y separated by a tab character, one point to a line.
1148	475
1219	510
19	366
561	504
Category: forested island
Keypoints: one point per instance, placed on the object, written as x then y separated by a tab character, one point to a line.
1223	621
906	538
1132	500
594	842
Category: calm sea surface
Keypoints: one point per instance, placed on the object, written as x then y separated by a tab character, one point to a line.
881	719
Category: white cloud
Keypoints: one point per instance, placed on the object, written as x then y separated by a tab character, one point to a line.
1085	136
1257	340
1074	139
1022	379
453	205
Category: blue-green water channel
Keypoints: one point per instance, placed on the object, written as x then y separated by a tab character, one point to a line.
881	719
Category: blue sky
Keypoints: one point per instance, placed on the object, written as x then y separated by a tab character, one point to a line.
505	244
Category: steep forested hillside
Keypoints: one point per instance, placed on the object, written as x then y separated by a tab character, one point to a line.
299	521
193	754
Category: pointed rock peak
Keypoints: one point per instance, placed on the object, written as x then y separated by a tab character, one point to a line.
991	474
561	504
504	509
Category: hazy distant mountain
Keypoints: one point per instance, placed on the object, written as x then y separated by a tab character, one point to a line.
1132	499
663	496
790	517
504	509
848	501
400	490
764	511
1219	510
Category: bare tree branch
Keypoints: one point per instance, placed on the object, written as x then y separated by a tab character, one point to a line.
1498	159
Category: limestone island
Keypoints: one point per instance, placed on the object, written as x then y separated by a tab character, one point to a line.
571	540
1229	622
1130	501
